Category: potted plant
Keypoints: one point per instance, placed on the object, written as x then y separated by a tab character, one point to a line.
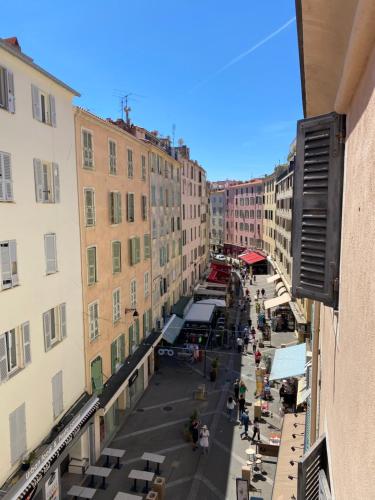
26	462
187	427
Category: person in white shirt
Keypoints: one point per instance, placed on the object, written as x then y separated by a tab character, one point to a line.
204	435
239	344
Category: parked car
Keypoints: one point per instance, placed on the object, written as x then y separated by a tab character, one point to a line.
220	256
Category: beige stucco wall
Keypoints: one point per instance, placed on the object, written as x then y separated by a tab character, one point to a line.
103	233
27	222
347	397
268	223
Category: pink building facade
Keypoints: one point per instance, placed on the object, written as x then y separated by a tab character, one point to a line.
243	217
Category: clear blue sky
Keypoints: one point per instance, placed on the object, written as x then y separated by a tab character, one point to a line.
238	122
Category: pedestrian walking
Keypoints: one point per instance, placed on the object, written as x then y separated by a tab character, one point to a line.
256	429
241	406
263	292
195	433
204	439
236	389
230	408
250	322
258	293
253	332
246	343
239	344
254	278
258	357
243	388
245	422
254	346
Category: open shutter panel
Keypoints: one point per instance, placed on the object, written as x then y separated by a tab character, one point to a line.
56	182
7	177
111	208
11	97
309	467
90	207
38	177
317	197
6	269
57	394
37	112
52	107
3	360
62	321
122	348
13	261
2	178
47	330
50	251
26	343
113	356
17	431
117	256
137	331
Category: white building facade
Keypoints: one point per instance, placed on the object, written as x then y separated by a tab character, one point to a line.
217	200
41	328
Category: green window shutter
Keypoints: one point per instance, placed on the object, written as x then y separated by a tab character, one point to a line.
149	320
136	324
116	256
122	348
113	356
91	265
138	250
97	375
144	323
131	340
147	246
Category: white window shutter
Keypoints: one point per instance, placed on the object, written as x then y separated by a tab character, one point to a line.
50	252
6	177
35	96
38	177
11	97
47	330
6	270
57	394
13	261
2	178
17	431
26	343
56	182
62	308
52	108
3	360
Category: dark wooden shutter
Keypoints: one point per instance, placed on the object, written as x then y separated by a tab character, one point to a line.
314	462
317	198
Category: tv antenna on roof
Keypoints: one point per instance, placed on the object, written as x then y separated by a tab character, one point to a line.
124	99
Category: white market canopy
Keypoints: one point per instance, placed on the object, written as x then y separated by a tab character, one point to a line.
277	301
215	302
200	313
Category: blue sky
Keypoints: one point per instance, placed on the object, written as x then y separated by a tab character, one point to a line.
238	122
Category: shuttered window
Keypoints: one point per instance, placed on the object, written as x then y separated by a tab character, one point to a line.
94	320
116	257
134	250
318	184
153	196
115	208
6	185
130	207
136	332
130	164
57	394
87	150
144	207
133	294
91	266
112	158
15	350
17	433
50	253
146	246
47	181
116	305
132	346
312	469
97	375
54	326
146	284
90	213
117	353
144	168
44	106
8	264
7	96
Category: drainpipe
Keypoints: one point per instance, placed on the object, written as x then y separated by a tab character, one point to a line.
315	372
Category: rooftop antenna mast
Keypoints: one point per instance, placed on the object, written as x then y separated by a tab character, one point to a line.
127	108
173	133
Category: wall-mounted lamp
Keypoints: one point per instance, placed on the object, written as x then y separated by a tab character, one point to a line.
292	477
134	311
297	423
300	434
293	448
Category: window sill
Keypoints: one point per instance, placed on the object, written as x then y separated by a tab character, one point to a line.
7	201
92	284
54	272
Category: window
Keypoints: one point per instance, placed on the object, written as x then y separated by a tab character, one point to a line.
88	152
116	257
17	433
54	326
146	283
144	207
133	294
146	323
146	246
94	320
92	277
44	107
89	197
8	264
112	158
50	253
47	181
116	305
153	196
97	375
161	197
134	250
143	166
6	185
117	353
57	394
132	342
154	230
15	351
130	164
130	207
115	208
7	99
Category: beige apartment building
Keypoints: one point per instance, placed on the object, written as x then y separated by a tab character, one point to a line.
195	220
217	218
113	187
334	192
269	215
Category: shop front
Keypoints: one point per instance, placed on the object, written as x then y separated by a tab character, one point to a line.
70	450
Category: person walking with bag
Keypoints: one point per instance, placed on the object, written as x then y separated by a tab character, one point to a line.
204	436
230	408
245	422
256	429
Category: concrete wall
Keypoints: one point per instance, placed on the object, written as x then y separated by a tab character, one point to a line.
347	396
27	222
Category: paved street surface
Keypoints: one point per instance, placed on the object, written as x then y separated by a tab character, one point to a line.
157	424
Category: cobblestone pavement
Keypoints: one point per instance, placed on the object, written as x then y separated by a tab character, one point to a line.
157	425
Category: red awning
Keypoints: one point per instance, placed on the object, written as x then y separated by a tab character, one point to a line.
216	276
252	257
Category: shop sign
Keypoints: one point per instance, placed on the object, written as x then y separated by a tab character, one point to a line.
52	486
163	351
133	378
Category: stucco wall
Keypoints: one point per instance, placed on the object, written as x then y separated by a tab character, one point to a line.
347	344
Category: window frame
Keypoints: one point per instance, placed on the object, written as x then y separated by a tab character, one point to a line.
91	134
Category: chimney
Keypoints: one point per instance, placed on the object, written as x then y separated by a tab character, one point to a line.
13	41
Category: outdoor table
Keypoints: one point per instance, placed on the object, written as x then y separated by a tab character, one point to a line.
153	457
127	496
142	476
113	452
102	472
81	492
250	452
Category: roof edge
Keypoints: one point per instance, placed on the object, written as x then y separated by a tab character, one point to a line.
298	4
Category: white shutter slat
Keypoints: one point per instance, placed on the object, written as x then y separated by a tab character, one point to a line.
26	343
50	252
2	178
62	321
13	261
7	177
6	268
56	182
3	360
47	330
38	177
35	97
11	96
52	108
